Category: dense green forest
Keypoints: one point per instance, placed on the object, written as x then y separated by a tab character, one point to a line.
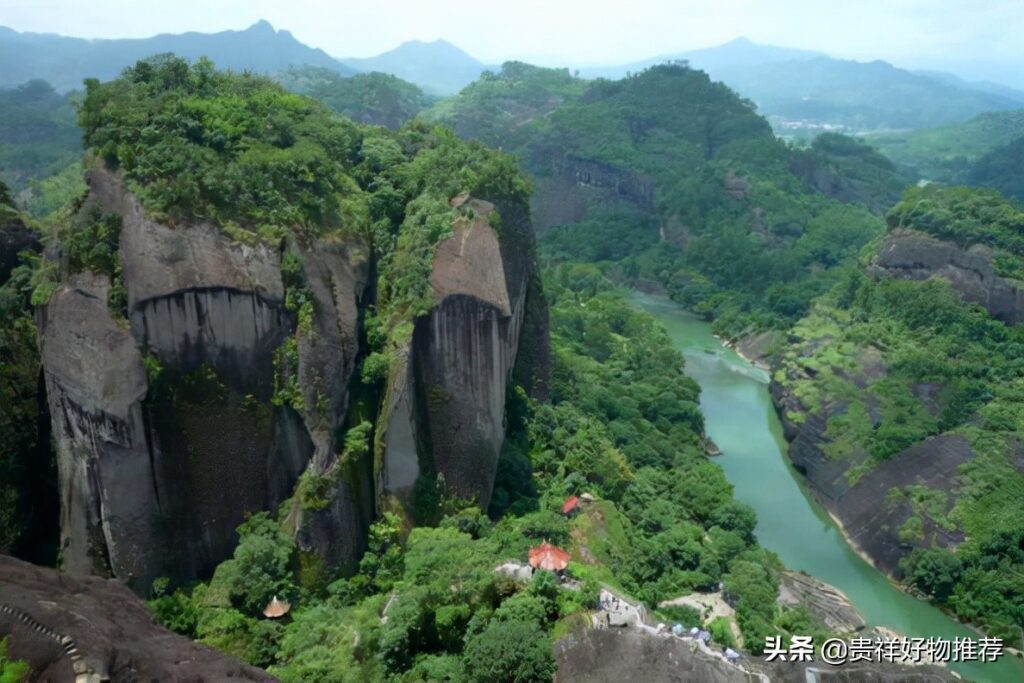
622	422
40	146
733	222
676	182
373	98
947	153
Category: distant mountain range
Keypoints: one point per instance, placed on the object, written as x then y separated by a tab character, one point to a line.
64	62
800	91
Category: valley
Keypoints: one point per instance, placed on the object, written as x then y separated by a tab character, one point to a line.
404	368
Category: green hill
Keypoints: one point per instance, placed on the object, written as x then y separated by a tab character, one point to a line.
902	389
681	181
374	98
438	67
945	154
801	91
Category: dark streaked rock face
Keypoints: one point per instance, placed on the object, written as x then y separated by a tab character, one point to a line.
167	426
871	518
444	412
912	255
62	626
155	476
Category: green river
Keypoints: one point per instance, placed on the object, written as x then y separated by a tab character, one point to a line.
739	417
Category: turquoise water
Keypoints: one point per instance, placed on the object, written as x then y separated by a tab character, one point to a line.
739	417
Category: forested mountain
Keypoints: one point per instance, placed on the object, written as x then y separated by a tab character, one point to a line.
899	415
65	62
800	90
266	304
1001	169
676	177
736	54
438	67
323	346
38	136
946	153
374	98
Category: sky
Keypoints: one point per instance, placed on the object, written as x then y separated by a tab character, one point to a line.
961	35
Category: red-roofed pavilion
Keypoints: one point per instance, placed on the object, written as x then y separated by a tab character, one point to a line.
547	556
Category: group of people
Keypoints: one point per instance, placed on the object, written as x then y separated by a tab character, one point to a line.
704	637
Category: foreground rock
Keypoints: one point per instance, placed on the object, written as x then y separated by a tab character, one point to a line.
445	405
614	655
93	629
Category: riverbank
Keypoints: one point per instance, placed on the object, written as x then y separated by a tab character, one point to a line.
740	418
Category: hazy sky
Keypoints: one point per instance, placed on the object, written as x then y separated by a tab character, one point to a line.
911	33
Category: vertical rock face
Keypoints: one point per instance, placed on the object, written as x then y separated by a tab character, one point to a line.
445	405
158	468
95	383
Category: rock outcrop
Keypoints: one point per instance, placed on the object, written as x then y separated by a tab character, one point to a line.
212	392
625	654
167	435
91	629
870	515
913	255
444	407
825	603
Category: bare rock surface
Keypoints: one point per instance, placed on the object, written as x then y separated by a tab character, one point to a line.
64	626
823	601
913	255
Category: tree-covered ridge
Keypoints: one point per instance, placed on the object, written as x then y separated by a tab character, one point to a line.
966	216
682	182
665	120
890	363
197	143
498	107
946	153
1001	169
38	138
373	98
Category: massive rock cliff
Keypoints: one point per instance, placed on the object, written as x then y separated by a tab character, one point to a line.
444	407
166	431
209	395
913	255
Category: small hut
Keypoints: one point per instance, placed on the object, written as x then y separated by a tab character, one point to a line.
571	506
549	557
276	609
